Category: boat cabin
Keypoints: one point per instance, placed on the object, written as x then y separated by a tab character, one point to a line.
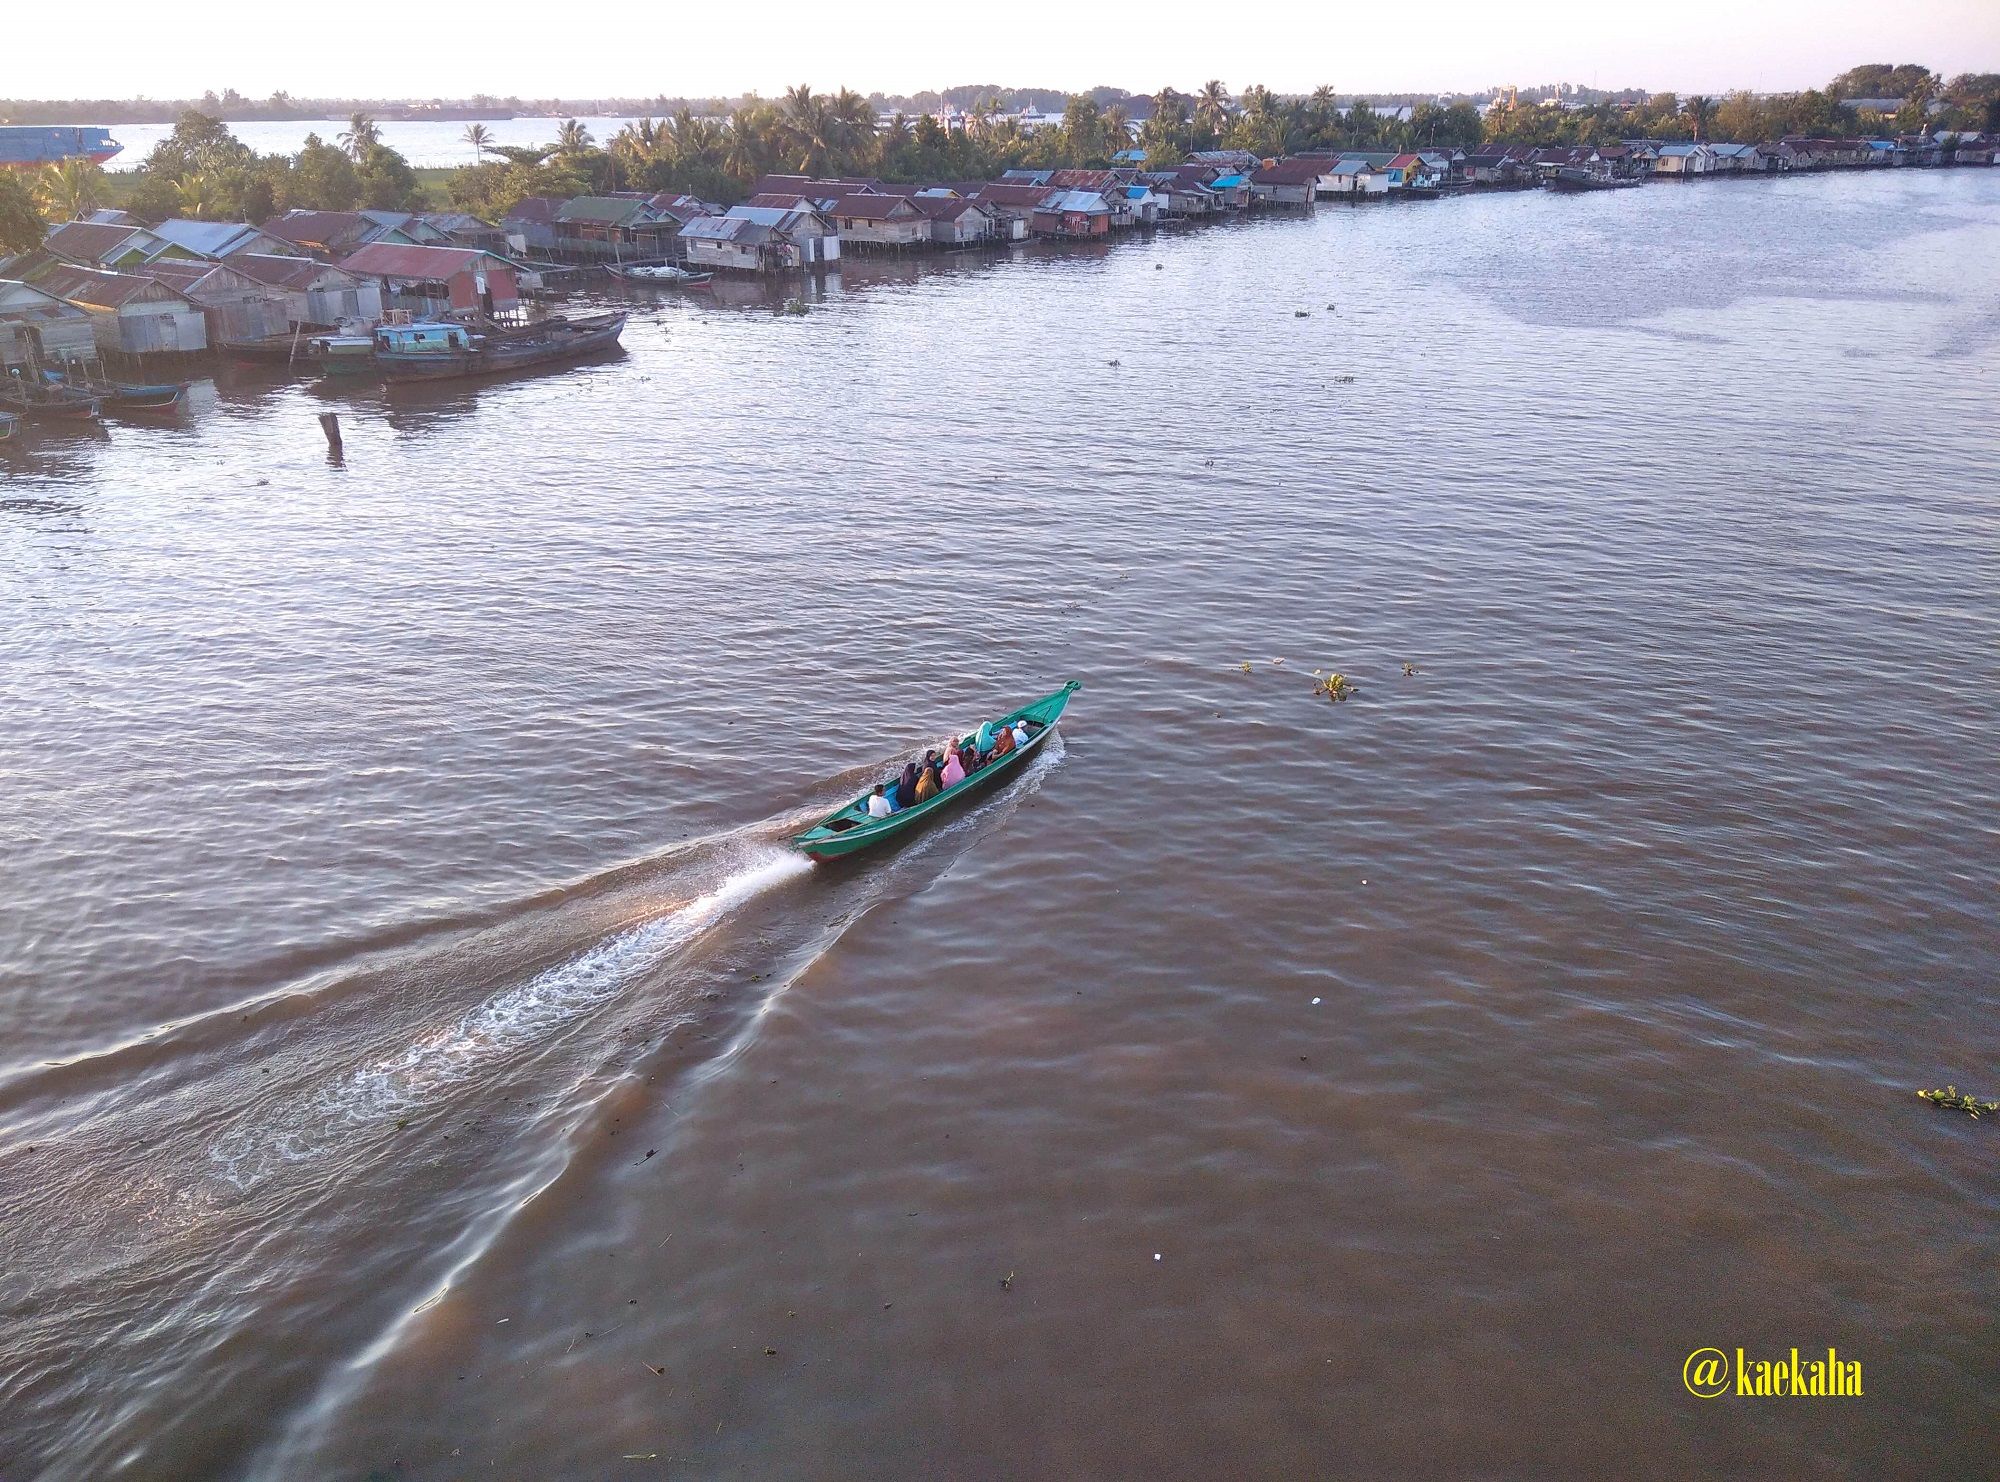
425	337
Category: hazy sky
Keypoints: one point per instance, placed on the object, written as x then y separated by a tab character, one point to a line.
379	48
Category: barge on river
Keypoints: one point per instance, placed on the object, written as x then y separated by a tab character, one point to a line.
449	352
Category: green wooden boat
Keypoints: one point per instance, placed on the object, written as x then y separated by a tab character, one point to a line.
849	829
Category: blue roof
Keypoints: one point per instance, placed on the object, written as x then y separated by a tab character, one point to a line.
1225	182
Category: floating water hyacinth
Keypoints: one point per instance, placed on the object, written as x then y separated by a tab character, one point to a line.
1951	1099
1335	687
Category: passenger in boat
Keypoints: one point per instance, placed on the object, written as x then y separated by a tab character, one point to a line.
1003	742
927	783
1020	733
969	757
879	805
954	770
906	785
984	743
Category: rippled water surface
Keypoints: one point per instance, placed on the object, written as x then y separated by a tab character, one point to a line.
420	1056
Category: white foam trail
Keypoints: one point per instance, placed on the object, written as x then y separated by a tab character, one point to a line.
508	1021
546	1001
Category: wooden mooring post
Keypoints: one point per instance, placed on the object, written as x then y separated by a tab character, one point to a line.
329	423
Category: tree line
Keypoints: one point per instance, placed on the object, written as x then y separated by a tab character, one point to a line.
203	171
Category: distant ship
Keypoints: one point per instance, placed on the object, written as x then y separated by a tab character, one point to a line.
30	146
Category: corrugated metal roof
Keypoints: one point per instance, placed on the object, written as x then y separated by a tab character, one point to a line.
873	208
209	238
603	210
285	272
91	241
188	275
395	260
1088	202
771	216
101	289
726	229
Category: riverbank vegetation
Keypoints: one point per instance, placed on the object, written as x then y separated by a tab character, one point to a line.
201	170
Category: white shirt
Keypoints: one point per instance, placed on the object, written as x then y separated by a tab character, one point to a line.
878	806
1020	735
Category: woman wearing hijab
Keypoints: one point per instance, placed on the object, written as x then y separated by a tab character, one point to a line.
1003	742
906	785
954	770
927	782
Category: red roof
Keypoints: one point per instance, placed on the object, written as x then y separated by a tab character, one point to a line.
1406	161
944	208
281	272
1097	180
329	229
395	260
1293	172
90	240
100	288
535	208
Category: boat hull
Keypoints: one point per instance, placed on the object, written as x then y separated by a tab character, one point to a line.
499	359
821	843
145	401
73	408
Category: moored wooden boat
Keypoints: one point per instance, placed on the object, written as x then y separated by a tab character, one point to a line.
146	401
127	398
37	403
445	352
9	425
849	828
663	275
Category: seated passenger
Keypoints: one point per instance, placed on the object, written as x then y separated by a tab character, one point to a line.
906	785
879	805
1003	742
954	771
1020	733
970	758
927	783
985	740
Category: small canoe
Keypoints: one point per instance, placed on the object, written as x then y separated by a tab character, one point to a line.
156	401
849	828
664	275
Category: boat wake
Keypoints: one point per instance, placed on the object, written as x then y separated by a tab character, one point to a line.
321	1152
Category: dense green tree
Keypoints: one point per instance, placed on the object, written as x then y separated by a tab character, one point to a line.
1881	80
323	179
22	225
387	181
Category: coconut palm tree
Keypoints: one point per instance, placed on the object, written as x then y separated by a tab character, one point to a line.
361	135
1118	127
746	147
573	137
811	132
480	138
70	189
1699	111
197	196
1212	105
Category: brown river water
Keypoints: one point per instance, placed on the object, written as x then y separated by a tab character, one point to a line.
420	1058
